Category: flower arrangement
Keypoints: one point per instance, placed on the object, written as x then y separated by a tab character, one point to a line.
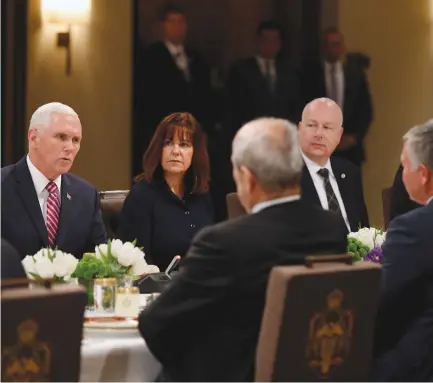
50	264
366	244
114	259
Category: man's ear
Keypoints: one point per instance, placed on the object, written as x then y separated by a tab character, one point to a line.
32	136
425	174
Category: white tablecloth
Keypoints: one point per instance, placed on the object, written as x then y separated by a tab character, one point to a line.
117	358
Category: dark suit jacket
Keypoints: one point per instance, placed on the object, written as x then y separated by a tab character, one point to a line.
404	330
357	108
162	90
80	225
250	97
349	180
400	200
205	326
160	222
11	266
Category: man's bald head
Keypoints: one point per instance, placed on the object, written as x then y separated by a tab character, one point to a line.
320	129
324	105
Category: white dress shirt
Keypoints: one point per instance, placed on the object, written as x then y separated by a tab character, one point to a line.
40	182
180	57
265	204
339	75
263	65
319	184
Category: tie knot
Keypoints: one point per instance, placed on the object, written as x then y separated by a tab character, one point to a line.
51	187
324	173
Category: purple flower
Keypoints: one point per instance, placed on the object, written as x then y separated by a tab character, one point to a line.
374	255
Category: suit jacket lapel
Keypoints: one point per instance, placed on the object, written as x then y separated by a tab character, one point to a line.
66	211
27	192
309	192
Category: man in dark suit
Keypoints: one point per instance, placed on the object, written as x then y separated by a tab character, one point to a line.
172	78
205	326
330	182
11	267
42	204
344	82
264	85
400	200
404	330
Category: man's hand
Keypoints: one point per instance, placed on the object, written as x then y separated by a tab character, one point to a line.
347	141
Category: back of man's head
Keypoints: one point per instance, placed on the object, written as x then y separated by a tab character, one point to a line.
269	149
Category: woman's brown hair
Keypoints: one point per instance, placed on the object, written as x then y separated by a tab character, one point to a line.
186	127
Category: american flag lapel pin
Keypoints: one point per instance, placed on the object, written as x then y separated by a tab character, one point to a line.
68	196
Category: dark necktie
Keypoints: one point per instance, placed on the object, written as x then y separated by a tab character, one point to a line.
330	195
333	89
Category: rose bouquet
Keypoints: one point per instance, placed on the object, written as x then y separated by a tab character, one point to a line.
50	264
366	244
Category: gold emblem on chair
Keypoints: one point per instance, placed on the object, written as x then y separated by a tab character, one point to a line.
29	359
330	336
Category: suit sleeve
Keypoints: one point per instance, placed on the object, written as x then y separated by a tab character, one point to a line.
364	109
99	232
400	200
135	222
403	257
206	277
365	222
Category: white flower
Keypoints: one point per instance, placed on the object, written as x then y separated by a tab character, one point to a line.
139	267
116	247
44	268
369	236
64	264
129	255
29	265
380	239
101	249
41	254
151	269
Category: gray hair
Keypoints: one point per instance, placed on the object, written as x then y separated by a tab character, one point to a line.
41	117
419	145
269	148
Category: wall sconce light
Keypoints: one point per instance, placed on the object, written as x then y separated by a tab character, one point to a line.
66	12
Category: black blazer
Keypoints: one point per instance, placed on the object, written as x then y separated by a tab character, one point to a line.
205	326
349	180
161	89
161	223
11	266
357	108
400	200
80	225
251	98
404	330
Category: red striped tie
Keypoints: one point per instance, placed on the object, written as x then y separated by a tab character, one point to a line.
53	209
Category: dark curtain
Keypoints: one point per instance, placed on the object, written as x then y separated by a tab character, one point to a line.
13	79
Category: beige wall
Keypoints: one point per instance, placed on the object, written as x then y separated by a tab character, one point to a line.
99	88
398	35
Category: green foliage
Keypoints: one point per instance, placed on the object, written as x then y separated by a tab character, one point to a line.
91	267
356	248
107	266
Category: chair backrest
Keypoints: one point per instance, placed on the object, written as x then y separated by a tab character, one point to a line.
386	205
234	206
111	206
41	332
318	323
